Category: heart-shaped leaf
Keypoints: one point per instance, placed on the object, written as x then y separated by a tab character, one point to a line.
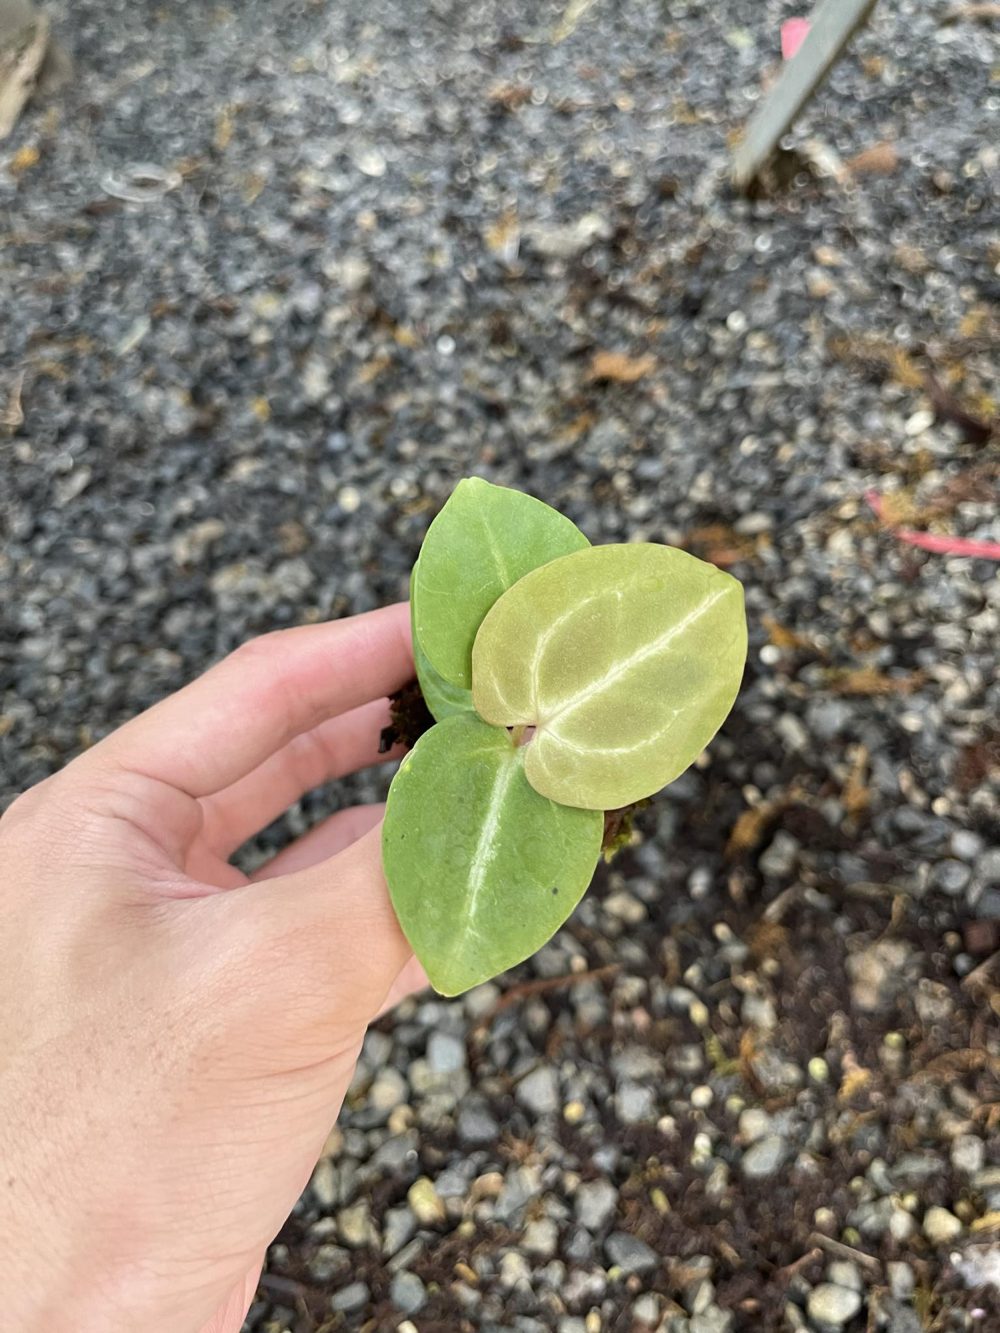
484	539
481	869
625	659
441	697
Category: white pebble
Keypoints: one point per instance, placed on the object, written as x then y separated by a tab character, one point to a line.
919	422
940	1226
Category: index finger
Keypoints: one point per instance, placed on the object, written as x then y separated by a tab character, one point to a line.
271	689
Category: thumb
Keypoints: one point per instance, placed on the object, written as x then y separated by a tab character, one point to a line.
323	943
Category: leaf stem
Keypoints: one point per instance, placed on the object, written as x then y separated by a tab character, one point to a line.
517	734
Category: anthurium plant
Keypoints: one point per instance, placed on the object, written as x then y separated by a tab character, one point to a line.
565	680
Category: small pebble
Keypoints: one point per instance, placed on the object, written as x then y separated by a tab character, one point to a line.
941	1226
425	1202
901	1279
764	1157
407	1293
539	1091
968	1154
350	1298
630	1254
833	1305
594	1204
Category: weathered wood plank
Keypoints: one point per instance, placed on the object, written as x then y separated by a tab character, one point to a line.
833	25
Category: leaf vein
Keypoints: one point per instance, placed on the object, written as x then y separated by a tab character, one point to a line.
484	853
622	668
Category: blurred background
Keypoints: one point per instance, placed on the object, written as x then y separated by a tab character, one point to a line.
274	277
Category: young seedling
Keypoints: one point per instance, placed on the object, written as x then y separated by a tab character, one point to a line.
565	680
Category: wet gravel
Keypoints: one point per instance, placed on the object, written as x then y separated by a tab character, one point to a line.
273	280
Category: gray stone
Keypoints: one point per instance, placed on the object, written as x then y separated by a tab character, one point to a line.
636	1063
765	1157
878	974
327	1261
453	1182
951	876
979	1265
843	1273
630	1254
774	1072
409	1254
758	1011
476	1124
913	1168
966	845
968	1154
595	1203
353	1297
646	1309
791	731
874	1217
445	1054
754	1123
901	1224
582	1286
481	1000
712	1320
393	1156
541	1238
780	857
901	1279
635	1103
539	1091
407	1293
569	240
833	1306
520	1187
514	1268
398	1227
324	1183
579	1248
827	718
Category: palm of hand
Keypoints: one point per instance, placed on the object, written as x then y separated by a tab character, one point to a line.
179	1036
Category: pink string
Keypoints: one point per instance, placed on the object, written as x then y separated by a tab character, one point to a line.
793	34
936	543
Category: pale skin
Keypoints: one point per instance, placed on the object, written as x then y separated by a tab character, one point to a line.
175	1038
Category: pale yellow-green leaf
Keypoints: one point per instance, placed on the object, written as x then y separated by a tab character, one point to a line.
626	659
482	870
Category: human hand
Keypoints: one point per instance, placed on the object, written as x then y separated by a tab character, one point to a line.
176	1039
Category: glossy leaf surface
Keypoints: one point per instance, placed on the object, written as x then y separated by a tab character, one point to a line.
482	870
626	659
484	539
441	697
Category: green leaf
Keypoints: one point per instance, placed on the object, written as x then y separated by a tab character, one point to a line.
441	697
484	539
626	660
481	869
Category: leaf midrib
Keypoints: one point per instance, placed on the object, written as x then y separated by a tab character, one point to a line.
481	857
622	668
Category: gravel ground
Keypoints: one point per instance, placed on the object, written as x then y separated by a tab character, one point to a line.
273	279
